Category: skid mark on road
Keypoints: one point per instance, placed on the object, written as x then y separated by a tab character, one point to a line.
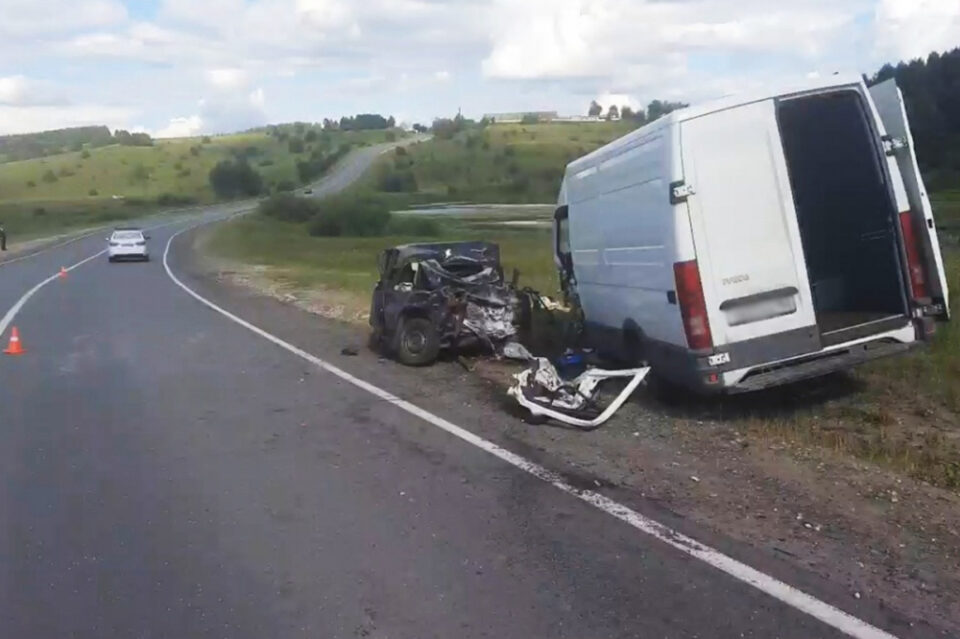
830	615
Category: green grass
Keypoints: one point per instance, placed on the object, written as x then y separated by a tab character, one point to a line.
349	264
83	193
25	222
500	163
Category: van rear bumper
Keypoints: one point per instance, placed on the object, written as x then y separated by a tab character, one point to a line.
819	364
775	359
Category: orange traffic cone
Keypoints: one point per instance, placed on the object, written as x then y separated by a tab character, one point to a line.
15	348
63	273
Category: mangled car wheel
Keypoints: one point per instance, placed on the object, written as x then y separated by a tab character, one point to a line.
417	342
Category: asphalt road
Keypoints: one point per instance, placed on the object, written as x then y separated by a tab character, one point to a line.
166	473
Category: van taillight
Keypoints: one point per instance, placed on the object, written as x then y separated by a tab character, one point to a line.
693	308
918	278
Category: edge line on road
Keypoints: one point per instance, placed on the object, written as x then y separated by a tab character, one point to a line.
793	597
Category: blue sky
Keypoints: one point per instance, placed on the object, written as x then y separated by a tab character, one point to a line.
179	67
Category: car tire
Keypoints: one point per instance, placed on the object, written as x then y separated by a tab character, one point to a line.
417	342
111	259
146	258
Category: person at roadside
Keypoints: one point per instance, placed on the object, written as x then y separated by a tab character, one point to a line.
3	238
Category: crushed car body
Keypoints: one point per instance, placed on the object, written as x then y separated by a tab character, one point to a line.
445	295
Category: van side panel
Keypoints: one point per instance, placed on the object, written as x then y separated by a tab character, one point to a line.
622	238
744	225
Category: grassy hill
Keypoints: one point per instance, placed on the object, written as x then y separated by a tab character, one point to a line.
97	185
498	163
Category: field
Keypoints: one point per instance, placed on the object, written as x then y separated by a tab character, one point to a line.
299	262
73	190
501	163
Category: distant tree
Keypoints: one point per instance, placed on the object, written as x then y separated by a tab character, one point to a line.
659	108
329	125
235	178
613	113
299	127
391	122
419	128
311	136
595	109
626	112
295	145
530	118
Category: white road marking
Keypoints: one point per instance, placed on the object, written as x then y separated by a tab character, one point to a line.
12	313
777	589
50	248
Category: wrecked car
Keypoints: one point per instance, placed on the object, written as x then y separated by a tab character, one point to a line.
432	297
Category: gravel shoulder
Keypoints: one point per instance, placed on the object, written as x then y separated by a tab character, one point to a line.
708	467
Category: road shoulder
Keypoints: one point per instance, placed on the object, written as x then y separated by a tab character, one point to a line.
857	531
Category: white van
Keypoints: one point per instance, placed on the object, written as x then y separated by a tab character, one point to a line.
757	240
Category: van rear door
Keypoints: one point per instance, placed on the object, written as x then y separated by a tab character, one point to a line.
745	229
889	103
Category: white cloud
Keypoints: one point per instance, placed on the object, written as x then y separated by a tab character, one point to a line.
228	79
30	18
25	119
602	38
441	76
910	29
18	90
181	128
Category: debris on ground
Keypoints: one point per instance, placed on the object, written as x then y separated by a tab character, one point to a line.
436	296
542	391
350	351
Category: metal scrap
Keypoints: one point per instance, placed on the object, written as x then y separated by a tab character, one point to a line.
545	394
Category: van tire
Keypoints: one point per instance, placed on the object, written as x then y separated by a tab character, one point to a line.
416	342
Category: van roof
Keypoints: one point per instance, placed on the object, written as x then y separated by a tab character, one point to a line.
720	104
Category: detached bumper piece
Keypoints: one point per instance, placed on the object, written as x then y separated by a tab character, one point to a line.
542	391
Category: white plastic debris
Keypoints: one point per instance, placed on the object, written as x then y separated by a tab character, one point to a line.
542	391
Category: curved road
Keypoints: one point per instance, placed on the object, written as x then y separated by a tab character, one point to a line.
167	473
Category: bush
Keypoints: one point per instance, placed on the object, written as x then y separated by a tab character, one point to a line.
236	178
85	154
184	173
394	181
178	166
194	151
39	211
93	193
285	186
266	162
31	184
287	207
174	199
414	225
49	176
295	145
391	136
362	217
205	139
401	151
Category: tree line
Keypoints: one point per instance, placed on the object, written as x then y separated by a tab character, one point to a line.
931	91
26	146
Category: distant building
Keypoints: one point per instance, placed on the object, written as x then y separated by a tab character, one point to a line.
515	118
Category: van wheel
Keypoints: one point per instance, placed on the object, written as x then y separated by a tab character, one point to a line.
417	342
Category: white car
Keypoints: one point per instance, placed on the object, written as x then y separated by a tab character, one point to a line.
128	244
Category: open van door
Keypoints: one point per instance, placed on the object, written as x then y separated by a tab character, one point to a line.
899	143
